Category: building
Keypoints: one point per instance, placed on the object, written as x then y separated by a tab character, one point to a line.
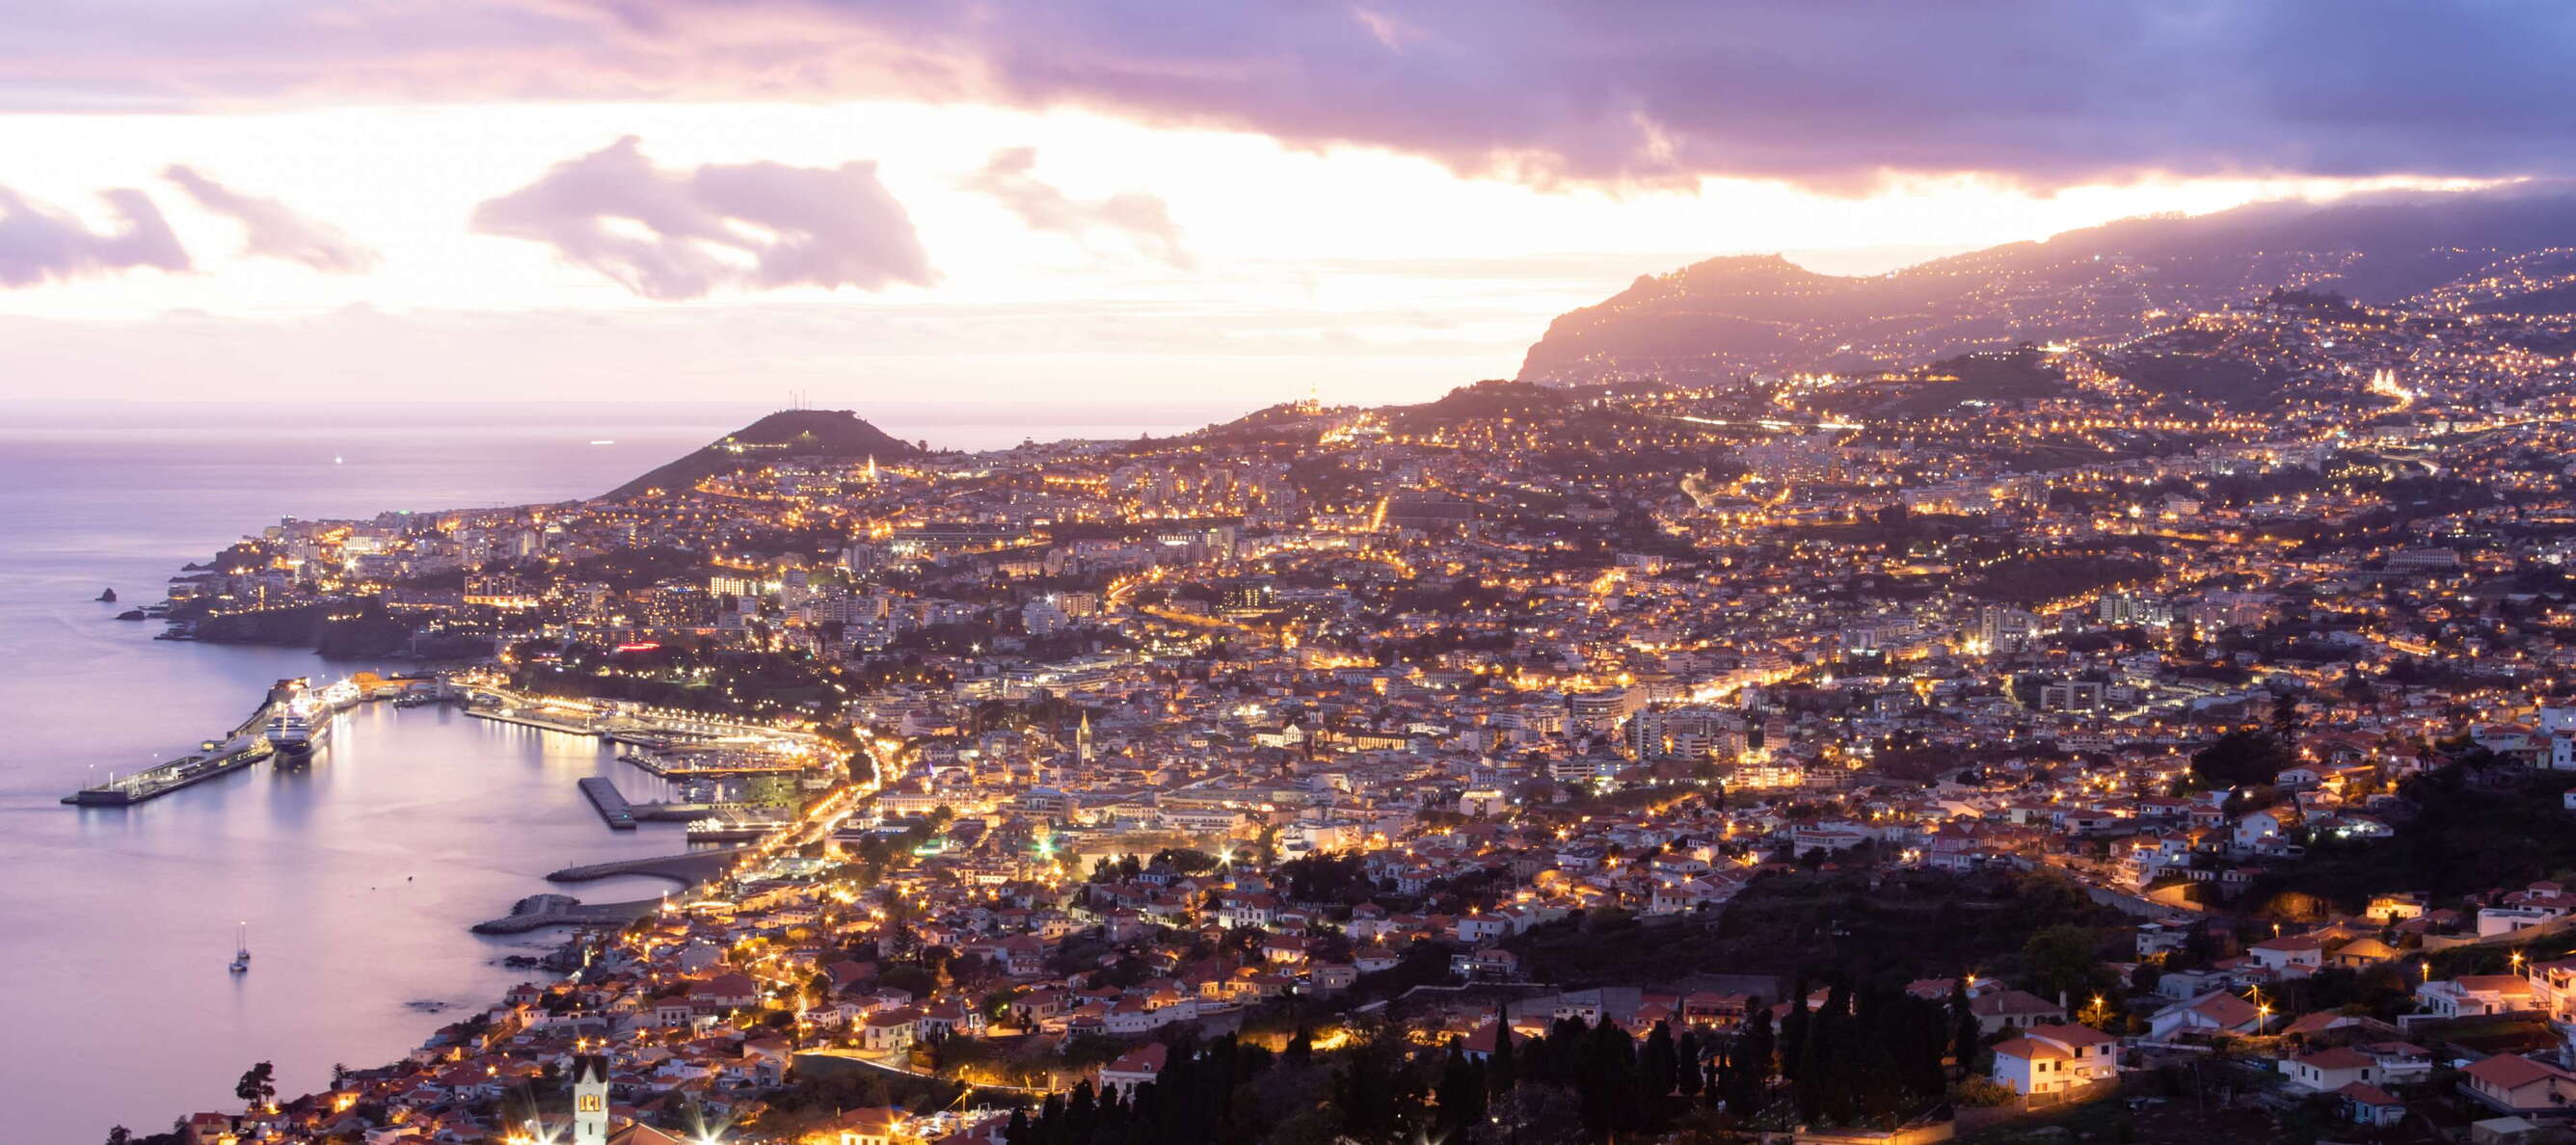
2054	1058
1132	1069
2511	1084
590	1099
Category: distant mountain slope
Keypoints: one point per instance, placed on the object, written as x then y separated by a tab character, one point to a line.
834	434
1727	317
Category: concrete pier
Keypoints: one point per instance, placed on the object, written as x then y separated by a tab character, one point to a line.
691	867
610	802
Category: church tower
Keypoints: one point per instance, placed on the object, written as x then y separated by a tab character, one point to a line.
1082	739
590	1099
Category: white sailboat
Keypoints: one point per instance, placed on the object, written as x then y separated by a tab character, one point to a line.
241	955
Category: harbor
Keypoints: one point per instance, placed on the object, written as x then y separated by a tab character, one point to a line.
290	704
294	718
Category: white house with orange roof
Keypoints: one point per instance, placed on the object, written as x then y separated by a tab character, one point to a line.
2329	1070
2510	1083
2053	1058
1132	1069
2216	1012
2474	995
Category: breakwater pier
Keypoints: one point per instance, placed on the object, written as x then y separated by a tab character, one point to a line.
537	912
245	743
690	867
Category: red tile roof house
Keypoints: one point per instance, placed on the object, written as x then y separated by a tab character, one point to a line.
726	992
2327	1071
2300	950
2051	1058
2217	1012
2472	995
1132	1069
2013	1009
2370	1105
2510	1084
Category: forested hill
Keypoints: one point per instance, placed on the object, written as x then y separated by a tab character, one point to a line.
835	434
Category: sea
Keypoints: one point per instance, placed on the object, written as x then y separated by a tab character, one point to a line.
355	879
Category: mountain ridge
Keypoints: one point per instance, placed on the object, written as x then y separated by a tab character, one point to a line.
1738	315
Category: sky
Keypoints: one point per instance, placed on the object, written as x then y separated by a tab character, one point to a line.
1172	206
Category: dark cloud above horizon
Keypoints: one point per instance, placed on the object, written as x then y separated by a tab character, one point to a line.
672	234
272	229
40	243
1143	220
2043	92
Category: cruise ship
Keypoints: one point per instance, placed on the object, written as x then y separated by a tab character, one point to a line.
298	726
735	827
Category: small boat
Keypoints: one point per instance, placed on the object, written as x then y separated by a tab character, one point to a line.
241	955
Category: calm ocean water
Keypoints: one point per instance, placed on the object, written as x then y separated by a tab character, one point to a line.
358	877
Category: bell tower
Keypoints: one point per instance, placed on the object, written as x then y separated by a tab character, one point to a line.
590	1099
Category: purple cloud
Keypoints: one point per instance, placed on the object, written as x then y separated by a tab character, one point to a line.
40	244
272	229
671	234
1825	94
1144	220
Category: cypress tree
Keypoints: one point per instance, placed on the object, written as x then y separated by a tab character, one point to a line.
1964	1034
1563	1051
1607	1084
1461	1093
1686	1063
1659	1063
1081	1113
1793	1032
1050	1127
1501	1071
1754	1063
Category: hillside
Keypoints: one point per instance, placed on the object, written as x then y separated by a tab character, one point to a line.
833	434
2495	251
1489	400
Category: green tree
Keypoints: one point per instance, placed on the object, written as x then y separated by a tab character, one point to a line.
2060	960
2240	759
258	1084
1461	1094
2287	722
